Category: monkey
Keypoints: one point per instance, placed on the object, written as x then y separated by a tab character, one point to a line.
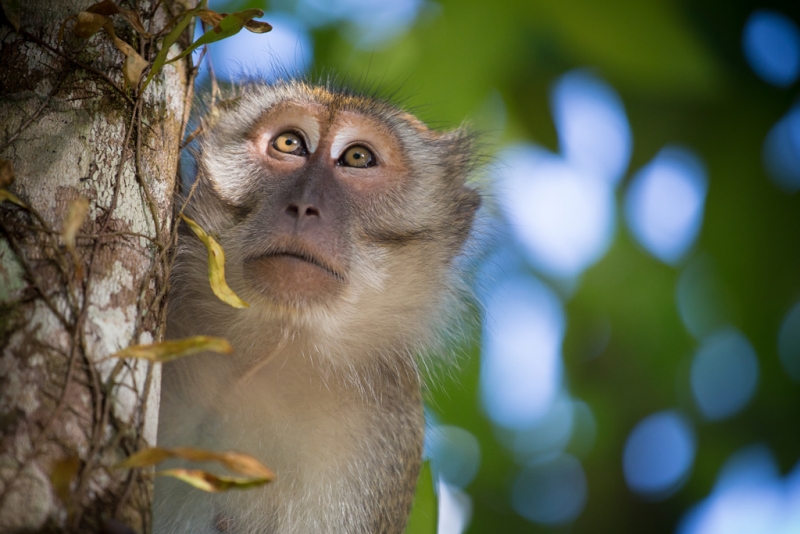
345	222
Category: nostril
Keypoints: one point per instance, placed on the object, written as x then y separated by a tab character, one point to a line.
297	211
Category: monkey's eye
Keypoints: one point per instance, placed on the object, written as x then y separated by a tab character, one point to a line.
290	143
357	156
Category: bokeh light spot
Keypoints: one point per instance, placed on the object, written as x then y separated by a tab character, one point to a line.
659	454
550	434
563	217
592	126
553	492
789	342
521	369
664	203
771	44
749	497
724	374
455	509
366	23
456	454
782	152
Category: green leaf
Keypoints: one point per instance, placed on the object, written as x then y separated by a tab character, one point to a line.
424	513
169	40
227	27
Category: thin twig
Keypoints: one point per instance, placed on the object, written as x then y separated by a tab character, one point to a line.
35	114
84	66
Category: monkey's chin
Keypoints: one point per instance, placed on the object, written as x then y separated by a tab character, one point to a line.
292	280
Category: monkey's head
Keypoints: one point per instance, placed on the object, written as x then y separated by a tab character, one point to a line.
336	211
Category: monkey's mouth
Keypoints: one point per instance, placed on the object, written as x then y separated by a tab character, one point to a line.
292	273
304	257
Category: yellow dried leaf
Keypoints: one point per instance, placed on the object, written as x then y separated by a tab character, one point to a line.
212	483
173	349
6	173
88	24
11	197
132	68
76	214
216	266
255	472
210	17
12	9
62	475
108	8
134	63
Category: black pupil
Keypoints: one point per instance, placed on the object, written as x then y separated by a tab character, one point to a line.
356	155
289	142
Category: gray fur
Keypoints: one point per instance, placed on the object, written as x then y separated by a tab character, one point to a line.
334	404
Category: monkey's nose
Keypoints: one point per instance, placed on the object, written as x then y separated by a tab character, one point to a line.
299	211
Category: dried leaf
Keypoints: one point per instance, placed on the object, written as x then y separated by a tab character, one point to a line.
216	267
229	25
255	472
11	197
12	9
210	17
6	173
212	483
257	26
76	214
133	68
134	63
88	24
166	351
108	8
62	475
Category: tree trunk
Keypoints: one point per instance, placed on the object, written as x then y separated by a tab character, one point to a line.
72	131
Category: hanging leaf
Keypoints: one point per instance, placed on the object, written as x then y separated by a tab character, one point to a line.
134	63
216	266
424	518
228	26
211	483
62	475
108	8
13	12
76	214
11	197
166	351
88	24
6	173
257	26
255	472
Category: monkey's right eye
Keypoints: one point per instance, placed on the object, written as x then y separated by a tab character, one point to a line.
290	143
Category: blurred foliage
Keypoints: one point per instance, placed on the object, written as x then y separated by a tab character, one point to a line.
679	69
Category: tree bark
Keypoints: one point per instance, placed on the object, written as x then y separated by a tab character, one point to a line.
72	131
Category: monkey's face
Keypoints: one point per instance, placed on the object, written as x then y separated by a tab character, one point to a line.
326	200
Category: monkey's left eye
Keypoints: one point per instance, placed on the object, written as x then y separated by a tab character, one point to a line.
357	156
290	143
